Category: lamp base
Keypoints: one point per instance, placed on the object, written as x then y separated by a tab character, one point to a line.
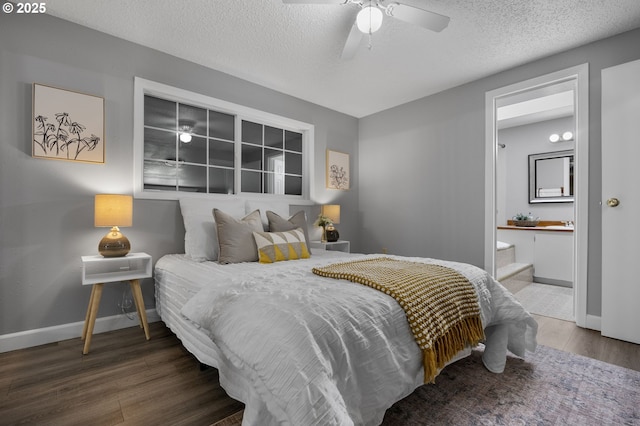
114	244
332	234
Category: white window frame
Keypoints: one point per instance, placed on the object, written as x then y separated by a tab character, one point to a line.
144	87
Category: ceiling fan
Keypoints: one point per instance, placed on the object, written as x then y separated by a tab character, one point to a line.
369	19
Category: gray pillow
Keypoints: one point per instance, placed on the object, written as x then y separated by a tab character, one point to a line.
235	237
279	224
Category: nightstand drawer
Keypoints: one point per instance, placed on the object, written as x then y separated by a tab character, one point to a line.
98	269
340	245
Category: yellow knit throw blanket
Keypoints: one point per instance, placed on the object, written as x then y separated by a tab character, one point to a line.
440	303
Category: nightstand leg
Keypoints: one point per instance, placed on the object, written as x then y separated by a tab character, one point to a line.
136	301
142	313
86	318
96	294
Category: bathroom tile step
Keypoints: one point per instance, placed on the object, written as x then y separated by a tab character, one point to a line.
516	276
505	256
513	269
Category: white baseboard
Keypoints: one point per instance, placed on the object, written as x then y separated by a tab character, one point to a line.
42	336
593	323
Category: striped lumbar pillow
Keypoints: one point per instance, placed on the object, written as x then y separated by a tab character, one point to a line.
277	246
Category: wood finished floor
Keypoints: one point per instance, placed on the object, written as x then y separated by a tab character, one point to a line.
568	337
126	380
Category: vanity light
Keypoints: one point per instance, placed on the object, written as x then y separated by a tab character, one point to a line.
566	137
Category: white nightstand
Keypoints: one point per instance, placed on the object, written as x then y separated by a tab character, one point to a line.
98	270
340	245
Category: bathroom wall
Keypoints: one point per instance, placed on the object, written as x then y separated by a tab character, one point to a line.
513	169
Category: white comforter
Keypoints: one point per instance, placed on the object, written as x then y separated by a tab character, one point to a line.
319	351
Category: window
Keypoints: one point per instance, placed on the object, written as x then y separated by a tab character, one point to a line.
190	143
271	159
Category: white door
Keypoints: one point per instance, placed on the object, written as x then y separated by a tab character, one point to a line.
621	202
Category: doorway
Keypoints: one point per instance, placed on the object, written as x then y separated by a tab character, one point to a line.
575	78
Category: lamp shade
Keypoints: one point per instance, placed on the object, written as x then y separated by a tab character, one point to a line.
332	211
113	210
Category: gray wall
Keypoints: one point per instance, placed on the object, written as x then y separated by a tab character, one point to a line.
422	165
417	170
46	206
513	169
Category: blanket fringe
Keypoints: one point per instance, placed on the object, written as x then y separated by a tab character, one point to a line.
466	333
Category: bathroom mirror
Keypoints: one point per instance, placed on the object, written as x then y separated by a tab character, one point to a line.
551	177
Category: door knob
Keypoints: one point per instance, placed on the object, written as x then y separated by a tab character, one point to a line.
613	202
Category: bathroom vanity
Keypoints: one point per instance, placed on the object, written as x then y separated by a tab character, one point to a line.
549	248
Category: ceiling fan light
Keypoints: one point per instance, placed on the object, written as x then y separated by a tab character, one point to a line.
185	137
369	19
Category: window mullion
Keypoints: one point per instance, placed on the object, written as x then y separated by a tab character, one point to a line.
176	166
206	152
263	166
237	169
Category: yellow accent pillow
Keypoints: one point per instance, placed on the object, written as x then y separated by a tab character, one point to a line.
279	246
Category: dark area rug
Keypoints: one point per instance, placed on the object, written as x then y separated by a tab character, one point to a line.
549	387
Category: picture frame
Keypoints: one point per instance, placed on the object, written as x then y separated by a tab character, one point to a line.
67	125
338	173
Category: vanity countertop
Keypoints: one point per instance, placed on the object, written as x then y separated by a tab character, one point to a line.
543	225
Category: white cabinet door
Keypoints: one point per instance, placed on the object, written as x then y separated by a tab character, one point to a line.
553	253
620	181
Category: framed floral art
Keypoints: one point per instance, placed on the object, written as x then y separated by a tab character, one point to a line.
67	125
337	170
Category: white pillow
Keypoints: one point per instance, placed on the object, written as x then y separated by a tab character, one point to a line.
279	207
201	237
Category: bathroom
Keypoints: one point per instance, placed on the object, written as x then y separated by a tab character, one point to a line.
535	178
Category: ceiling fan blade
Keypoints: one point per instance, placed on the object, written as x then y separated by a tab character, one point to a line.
352	43
314	1
424	18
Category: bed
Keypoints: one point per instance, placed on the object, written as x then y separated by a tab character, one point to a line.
301	349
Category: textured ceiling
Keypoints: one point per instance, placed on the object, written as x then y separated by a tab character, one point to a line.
295	49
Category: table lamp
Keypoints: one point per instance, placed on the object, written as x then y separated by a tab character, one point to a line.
331	211
112	210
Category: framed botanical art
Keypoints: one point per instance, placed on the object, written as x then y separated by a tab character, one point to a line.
67	125
337	170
